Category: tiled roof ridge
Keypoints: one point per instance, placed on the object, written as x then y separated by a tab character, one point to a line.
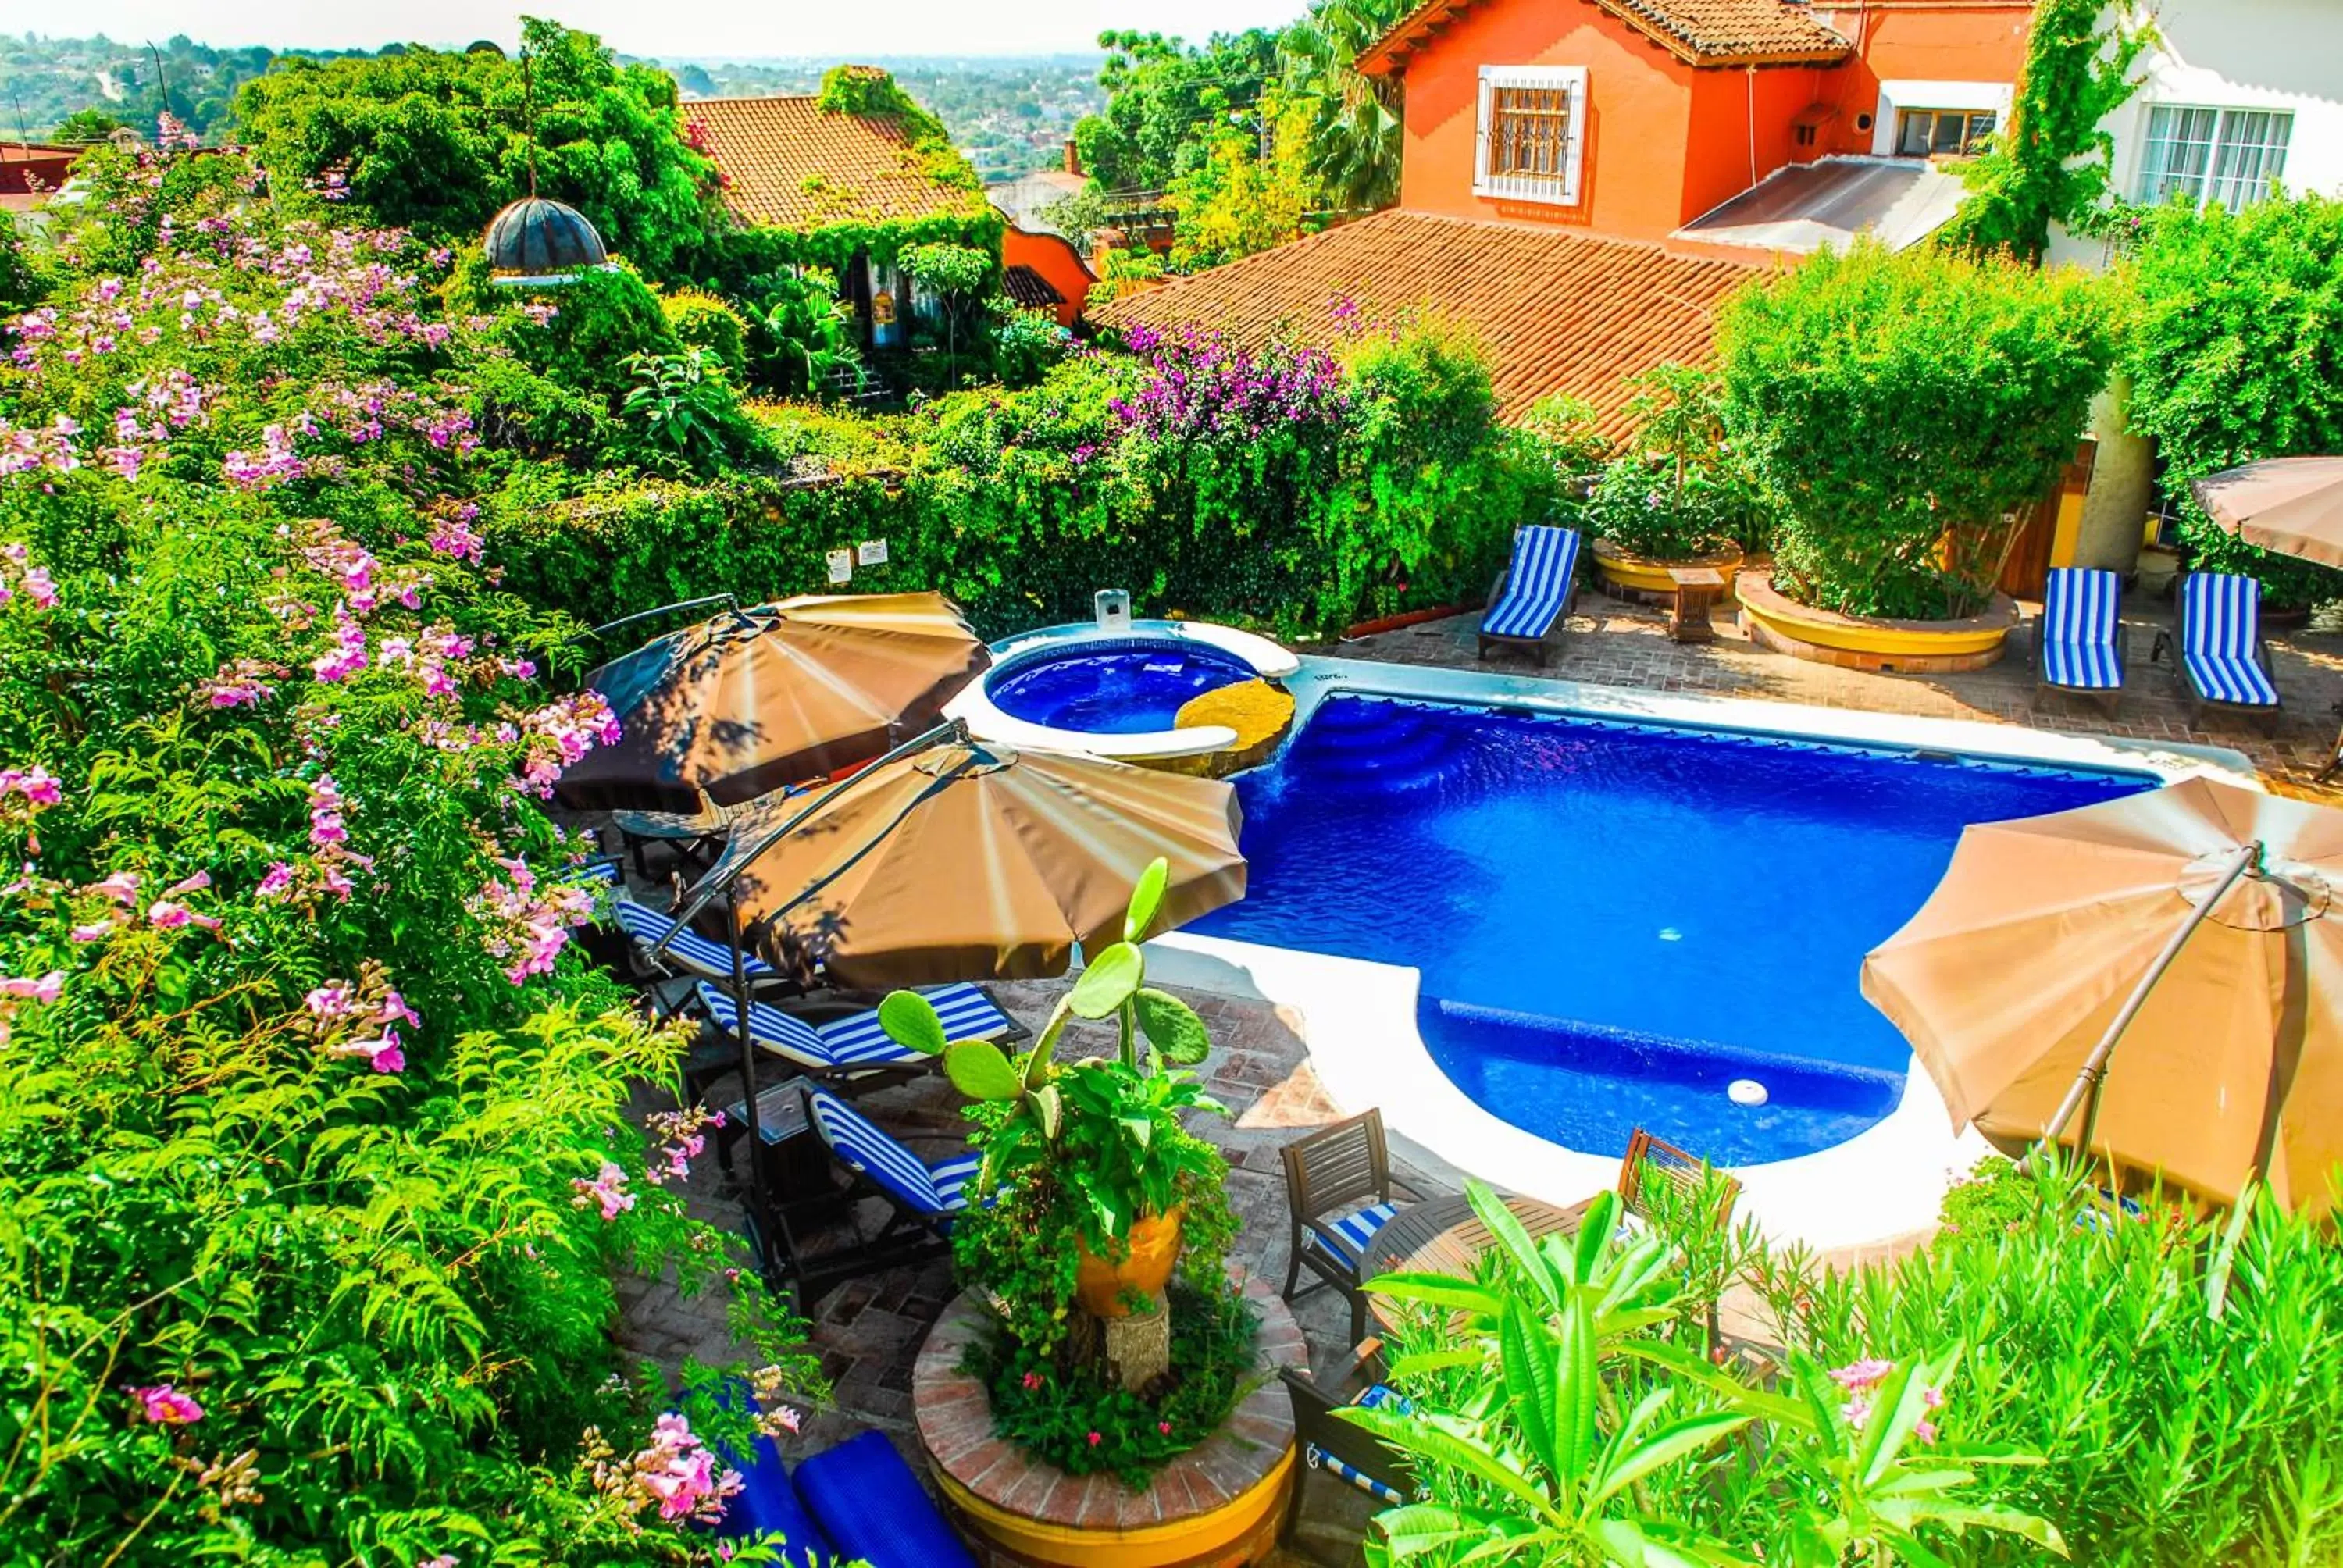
1676	26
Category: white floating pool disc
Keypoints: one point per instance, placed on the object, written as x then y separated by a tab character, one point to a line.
1670	934
1746	1092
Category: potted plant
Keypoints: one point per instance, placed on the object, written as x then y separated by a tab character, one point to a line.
1100	1234
1678	499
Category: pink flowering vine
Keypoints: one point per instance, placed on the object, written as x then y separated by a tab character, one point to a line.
676	1474
167	1406
607	1189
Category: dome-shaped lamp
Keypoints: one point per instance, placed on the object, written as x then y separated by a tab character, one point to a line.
541	241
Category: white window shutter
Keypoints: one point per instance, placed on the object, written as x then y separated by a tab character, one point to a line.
1481	133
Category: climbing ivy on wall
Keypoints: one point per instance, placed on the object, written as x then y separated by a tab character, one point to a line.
2050	163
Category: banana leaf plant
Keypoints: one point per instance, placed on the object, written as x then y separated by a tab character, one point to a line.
1110	1126
1559	1468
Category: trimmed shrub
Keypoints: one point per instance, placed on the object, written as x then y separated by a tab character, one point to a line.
699	319
1900	408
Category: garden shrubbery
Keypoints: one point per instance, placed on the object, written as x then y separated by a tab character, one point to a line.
1290	488
314	1164
2235	353
1901	409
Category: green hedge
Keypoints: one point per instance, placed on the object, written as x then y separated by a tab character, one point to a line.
1388	486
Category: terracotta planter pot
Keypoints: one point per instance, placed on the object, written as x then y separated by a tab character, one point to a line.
1630	576
1146	1268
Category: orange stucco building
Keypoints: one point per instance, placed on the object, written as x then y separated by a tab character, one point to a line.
1584	182
1633	118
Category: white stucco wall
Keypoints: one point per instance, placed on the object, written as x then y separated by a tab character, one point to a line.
2243	55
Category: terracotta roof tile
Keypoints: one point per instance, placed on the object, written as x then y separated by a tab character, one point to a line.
1702	32
788	164
1559	311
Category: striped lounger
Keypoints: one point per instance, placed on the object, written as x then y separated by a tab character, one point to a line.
2220	645
1375	1397
2078	640
691	951
856	1043
1536	590
930	1190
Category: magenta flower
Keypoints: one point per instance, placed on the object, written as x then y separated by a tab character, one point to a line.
1096	1440
195	883
94	932
1856	1376
167	1406
122	887
277	883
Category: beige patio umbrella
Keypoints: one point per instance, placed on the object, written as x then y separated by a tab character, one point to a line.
752	700
967	860
2159	978
2291	505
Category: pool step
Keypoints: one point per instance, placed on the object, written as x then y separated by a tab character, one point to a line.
1694	1066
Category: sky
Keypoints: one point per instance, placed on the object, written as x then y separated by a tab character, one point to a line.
653	29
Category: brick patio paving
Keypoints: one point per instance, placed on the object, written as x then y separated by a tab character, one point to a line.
868	1331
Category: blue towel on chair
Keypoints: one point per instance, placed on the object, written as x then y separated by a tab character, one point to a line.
872	1507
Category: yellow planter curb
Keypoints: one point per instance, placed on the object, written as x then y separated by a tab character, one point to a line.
1201	1538
1642	575
1870	642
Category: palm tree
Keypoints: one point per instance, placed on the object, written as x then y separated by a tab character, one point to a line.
1355	119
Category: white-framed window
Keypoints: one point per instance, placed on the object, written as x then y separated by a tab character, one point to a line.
1533	133
2212	156
1941	133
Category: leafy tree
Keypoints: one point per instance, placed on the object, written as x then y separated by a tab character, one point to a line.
2235	353
1235	202
955	275
83	126
438	143
2049	163
1354	120
807	332
1900	408
1163	97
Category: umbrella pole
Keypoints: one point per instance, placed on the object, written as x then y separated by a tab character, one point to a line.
749	1084
2087	1083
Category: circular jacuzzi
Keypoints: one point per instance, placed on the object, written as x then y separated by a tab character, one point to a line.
1114	686
1114	693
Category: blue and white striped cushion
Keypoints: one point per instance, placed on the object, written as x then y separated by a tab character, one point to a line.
792	1039
1369	1399
1537	583
966	1012
690	951
2220	630
2079	628
1346	1236
862	1147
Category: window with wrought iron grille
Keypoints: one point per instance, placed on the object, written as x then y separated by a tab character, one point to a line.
2226	157
1531	137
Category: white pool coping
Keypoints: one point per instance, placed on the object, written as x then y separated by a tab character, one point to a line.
1357	1020
975	705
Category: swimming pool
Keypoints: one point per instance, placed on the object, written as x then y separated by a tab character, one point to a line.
1113	688
1581	897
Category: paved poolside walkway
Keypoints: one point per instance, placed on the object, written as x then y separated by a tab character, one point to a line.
868	1331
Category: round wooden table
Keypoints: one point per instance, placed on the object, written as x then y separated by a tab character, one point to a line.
1443	1236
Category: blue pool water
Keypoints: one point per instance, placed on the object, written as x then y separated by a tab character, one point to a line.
1112	690
1615	920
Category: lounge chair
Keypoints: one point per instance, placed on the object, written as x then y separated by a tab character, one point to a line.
1531	597
2219	651
2078	641
1341	1449
922	1196
853	1051
689	953
1338	1192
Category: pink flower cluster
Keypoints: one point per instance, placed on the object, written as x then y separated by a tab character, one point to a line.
327	869
529	923
243	682
35	581
37	786
1859	1378
274	464
452	535
361	1019
679	1139
17	990
25	449
560	733
677	1474
607	1189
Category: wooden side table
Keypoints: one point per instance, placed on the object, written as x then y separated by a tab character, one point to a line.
1697	590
